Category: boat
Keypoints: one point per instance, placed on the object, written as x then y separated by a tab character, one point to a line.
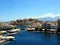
10	38
13	31
30	29
3	32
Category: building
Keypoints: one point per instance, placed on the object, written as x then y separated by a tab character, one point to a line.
46	26
54	25
58	26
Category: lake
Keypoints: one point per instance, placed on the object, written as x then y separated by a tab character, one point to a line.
35	38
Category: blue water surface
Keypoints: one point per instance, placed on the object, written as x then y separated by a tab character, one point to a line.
35	38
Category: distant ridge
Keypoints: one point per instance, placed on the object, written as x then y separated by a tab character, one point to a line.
49	18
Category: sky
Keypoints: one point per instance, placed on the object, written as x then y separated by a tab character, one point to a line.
20	9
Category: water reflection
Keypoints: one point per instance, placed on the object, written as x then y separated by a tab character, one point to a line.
58	39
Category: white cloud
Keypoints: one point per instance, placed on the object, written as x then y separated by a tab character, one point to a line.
51	15
58	15
48	15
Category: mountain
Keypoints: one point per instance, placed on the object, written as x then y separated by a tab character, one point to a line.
49	18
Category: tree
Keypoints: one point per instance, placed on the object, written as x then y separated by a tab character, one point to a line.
0	23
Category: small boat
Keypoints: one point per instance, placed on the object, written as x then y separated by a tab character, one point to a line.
3	32
11	38
13	30
30	29
12	34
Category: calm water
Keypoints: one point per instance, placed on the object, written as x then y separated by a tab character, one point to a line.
35	38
